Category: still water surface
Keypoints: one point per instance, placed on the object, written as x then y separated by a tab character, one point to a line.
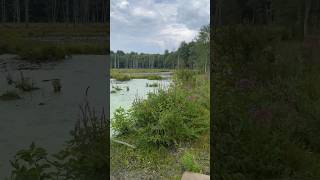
43	116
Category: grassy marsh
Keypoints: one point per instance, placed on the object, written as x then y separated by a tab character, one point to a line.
45	42
163	150
128	74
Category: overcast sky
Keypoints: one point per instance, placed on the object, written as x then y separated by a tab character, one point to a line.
151	26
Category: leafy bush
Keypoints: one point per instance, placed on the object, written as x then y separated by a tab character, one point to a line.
120	121
31	164
189	163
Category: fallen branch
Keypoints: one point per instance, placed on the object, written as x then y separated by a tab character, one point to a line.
124	143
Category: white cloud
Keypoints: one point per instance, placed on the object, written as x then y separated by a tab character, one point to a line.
155	25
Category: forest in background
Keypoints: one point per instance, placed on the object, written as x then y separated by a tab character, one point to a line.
49	30
192	55
264	74
54	11
299	18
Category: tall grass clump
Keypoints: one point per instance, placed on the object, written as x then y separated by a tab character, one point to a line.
43	52
9	95
189	163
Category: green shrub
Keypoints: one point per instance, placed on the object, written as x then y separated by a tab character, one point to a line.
168	118
120	122
185	76
31	164
189	163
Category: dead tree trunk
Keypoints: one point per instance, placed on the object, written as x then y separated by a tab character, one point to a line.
306	17
17	11
3	11
26	11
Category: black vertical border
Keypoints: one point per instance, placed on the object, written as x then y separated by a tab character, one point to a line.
212	85
108	87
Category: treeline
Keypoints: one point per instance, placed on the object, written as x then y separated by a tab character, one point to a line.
54	11
193	55
300	17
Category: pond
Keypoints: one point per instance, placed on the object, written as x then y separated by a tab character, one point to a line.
135	88
43	116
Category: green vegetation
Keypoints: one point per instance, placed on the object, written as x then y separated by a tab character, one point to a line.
188	162
266	105
51	42
152	85
192	55
163	127
9	95
126	75
83	157
116	88
120	76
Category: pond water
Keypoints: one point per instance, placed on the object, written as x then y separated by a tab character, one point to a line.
137	88
43	116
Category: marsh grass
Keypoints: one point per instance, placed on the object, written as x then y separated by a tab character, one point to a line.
9	95
152	84
33	43
189	163
122	76
116	88
164	126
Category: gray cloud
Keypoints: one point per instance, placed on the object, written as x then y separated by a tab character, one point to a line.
155	25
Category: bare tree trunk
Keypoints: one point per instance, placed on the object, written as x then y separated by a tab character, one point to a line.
26	11
67	18
17	11
3	11
103	13
74	11
306	16
218	12
54	11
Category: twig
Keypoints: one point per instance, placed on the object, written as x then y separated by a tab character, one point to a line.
124	143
